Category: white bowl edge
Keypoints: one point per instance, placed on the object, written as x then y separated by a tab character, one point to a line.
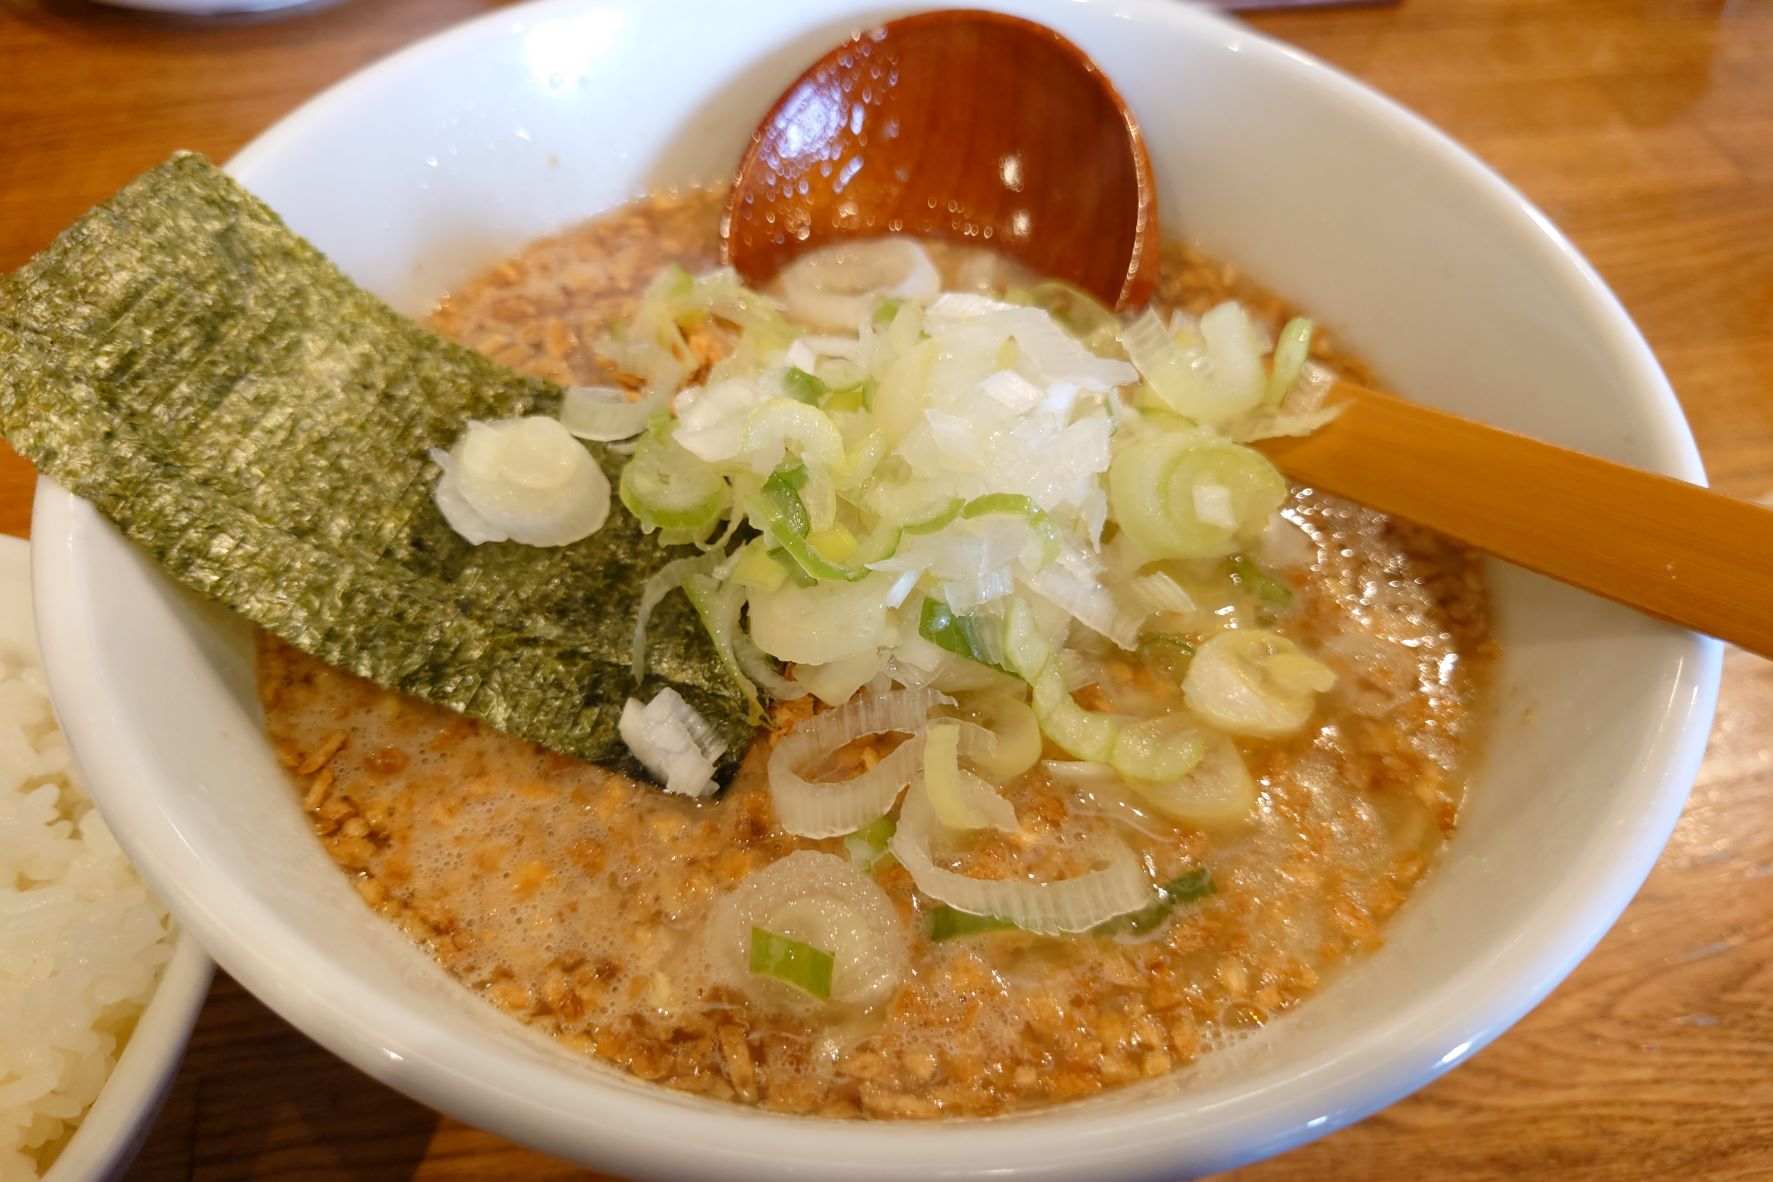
634	1133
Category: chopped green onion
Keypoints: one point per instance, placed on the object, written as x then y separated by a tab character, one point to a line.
780	513
867	846
822	569
781	493
1012	723
1080	733
1079	313
1025	647
836	544
804	387
758	570
793	477
796	574
938	519
1196	884
1290	355
792	962
881	544
1157	749
782	426
717	605
1024	507
959	633
886	309
1273	597
1152	489
1187	888
1166	652
942	778
850	399
668	488
945	923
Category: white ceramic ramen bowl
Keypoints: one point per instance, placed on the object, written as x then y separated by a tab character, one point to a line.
454	153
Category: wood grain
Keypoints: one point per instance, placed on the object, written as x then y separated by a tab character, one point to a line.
1643	127
1685	554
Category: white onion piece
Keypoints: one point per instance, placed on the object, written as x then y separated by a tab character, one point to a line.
1065	905
1049	356
1300	413
1212	380
964	595
1250	681
1235	346
961	799
916	662
753	663
1285	546
1212	504
1012	723
1012	390
673	742
606	414
1079	771
805	353
837	287
821	900
953	306
1078	670
836	682
455	508
711	419
961	675
1160	593
1376	676
1089	604
823	623
656	364
1216	794
811	808
902	588
525	480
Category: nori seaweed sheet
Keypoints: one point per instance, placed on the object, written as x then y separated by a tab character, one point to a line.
259	425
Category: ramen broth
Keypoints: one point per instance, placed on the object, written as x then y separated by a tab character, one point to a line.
580	901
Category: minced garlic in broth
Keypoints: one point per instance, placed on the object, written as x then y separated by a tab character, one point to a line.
576	899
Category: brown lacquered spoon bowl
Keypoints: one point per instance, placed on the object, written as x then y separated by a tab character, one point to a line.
995	130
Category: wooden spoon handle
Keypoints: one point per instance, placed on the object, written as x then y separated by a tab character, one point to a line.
1674	550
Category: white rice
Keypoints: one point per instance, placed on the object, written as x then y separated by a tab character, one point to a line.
81	940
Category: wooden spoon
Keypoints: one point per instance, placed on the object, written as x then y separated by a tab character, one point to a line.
984	127
962	124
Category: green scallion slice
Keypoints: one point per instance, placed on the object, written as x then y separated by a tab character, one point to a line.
867	846
1024	507
804	387
958	632
1186	888
946	923
937	519
792	962
1273	597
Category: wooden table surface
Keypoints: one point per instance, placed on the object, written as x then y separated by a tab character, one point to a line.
1643	127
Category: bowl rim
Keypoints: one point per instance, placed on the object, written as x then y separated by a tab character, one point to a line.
587	1120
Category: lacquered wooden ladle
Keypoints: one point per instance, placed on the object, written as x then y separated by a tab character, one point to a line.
995	130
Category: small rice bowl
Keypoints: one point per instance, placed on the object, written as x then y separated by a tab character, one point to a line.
82	942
